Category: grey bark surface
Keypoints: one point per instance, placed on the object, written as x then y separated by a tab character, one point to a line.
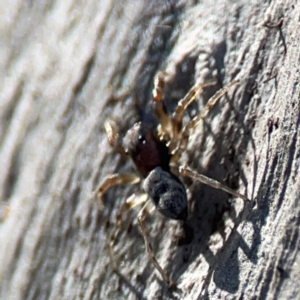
67	67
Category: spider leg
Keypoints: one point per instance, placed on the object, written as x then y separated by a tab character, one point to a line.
112	180
165	127
181	107
211	182
113	138
141	219
211	102
196	120
131	202
170	127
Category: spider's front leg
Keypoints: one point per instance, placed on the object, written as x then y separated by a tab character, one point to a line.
181	108
181	145
113	179
170	127
165	123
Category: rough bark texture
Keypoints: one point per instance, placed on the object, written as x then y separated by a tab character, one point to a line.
64	65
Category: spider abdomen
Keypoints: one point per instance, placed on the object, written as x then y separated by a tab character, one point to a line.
167	193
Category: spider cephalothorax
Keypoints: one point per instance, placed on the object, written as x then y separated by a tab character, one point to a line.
145	149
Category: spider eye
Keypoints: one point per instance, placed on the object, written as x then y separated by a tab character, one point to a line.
142	139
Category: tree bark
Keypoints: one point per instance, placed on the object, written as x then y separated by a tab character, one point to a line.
67	67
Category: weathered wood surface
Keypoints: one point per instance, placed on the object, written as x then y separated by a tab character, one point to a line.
64	63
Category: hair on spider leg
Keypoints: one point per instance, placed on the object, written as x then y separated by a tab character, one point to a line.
154	151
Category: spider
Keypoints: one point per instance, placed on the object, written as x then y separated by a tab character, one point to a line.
155	155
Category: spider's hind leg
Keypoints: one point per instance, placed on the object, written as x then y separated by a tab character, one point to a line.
131	202
149	248
211	182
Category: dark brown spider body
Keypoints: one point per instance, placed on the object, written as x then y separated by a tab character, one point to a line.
145	149
152	159
153	151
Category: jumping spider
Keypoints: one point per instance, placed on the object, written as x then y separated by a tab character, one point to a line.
155	154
